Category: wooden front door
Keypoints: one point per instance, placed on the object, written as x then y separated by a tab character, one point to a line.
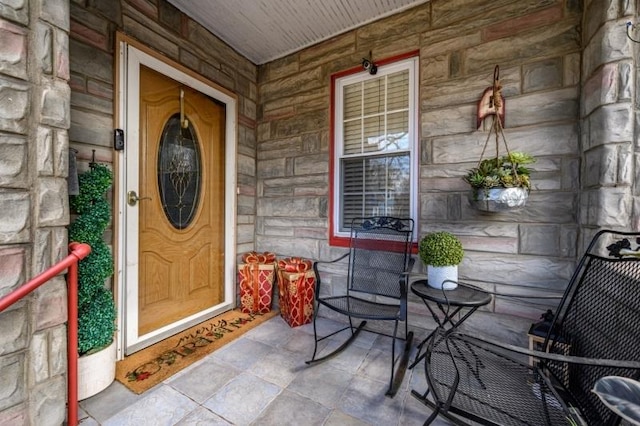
181	202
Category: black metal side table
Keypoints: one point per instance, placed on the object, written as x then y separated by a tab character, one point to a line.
449	303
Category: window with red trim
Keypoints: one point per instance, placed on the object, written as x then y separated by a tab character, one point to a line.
374	144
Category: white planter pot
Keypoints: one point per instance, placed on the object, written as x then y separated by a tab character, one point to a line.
96	371
436	275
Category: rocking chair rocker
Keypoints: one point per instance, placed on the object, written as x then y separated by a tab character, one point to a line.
379	260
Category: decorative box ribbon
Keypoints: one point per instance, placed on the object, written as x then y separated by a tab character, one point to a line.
294	264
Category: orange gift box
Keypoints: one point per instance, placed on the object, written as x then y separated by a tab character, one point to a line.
296	288
255	276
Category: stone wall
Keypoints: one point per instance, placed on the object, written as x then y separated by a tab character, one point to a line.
159	25
34	118
608	110
537	46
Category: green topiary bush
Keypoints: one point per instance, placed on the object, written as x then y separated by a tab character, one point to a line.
441	249
96	308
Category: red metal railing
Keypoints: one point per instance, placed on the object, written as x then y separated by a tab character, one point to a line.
77	252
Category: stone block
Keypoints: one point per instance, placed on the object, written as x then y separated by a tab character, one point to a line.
540	240
50	304
272	168
611	123
287	246
17	11
434	69
608	207
44	151
57	350
15	217
328	51
600	89
61	154
572	69
289	206
55	12
12	380
13	56
90	61
47	402
544	107
61	55
44	47
246	165
15	329
13	161
447	121
468	90
291	85
540	273
609	44
91	128
556	140
52	202
279	68
311	164
55	105
17	415
92	102
39	357
555	39
14	110
434	206
542	75
309	122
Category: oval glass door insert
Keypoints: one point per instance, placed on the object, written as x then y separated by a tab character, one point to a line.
179	172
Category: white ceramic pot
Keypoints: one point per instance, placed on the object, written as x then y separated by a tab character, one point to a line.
96	371
437	275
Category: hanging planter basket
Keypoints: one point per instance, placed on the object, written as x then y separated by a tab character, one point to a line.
498	199
499	183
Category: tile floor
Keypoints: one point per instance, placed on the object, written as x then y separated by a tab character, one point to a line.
262	379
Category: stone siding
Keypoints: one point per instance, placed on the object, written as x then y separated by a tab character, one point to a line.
537	46
569	77
34	119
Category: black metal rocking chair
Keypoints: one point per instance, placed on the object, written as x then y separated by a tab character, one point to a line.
595	333
379	260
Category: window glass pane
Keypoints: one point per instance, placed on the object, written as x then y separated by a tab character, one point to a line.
353	137
398	130
352	101
375	186
374	96
398	91
179	172
373	133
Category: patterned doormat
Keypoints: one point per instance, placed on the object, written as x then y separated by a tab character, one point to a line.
150	366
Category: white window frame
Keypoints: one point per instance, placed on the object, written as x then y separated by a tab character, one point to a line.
410	64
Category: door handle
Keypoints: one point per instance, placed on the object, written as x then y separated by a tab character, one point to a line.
132	198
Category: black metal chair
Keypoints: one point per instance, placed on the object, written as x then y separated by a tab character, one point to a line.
379	260
595	333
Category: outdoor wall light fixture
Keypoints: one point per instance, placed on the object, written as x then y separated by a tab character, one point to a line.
369	65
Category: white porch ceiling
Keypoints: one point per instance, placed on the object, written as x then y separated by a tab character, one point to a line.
264	30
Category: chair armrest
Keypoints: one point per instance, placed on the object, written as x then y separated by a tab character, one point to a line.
515	295
488	343
316	271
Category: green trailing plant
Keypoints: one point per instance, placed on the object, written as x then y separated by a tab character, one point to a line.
507	171
96	308
440	249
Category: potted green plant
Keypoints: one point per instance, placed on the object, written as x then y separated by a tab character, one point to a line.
500	183
96	307
441	252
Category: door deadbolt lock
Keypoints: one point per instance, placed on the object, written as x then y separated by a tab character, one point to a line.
132	198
